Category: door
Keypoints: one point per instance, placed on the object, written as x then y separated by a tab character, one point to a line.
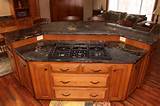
60	9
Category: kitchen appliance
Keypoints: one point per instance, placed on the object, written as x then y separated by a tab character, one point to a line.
68	50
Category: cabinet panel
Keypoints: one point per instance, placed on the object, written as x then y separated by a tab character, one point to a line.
135	77
24	23
96	68
90	80
41	80
24	74
66	67
119	81
13	64
80	93
143	69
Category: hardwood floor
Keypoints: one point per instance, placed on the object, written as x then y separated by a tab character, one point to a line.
12	94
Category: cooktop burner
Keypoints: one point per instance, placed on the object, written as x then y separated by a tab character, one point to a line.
79	51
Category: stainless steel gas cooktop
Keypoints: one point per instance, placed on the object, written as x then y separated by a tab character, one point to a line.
79	51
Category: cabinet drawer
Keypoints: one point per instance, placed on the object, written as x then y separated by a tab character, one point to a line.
80	93
65	67
96	68
91	80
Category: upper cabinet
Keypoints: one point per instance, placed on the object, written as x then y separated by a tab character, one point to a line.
25	8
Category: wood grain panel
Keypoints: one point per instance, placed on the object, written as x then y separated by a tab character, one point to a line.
63	8
65	67
74	93
41	80
82	37
80	80
96	68
20	43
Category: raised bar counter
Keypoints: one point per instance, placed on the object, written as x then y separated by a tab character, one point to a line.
82	28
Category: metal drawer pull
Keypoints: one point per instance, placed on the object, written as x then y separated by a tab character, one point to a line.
94	82
93	95
65	82
66	94
97	70
64	70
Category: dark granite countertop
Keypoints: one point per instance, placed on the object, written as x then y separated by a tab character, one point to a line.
119	53
75	28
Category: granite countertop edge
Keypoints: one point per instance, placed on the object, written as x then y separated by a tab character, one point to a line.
59	28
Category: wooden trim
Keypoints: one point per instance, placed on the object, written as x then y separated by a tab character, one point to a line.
82	37
24	42
155	6
107	5
97	37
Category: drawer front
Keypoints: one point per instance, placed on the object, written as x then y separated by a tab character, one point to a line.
65	67
96	68
80	93
91	80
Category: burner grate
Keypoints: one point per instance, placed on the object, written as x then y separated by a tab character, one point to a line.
79	50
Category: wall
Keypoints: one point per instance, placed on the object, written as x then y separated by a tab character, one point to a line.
4	8
44	8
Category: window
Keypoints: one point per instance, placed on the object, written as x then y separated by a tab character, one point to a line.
143	7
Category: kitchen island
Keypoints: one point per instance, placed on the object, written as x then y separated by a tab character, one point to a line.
80	60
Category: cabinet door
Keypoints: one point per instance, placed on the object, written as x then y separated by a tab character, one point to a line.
24	74
143	70
135	77
13	64
41	80
119	80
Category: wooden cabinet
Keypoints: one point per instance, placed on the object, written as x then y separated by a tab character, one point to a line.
66	67
81	80
90	80
24	12
25	8
52	80
62	81
135	77
24	23
80	93
96	68
143	69
40	73
119	81
24	74
13	64
97	81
